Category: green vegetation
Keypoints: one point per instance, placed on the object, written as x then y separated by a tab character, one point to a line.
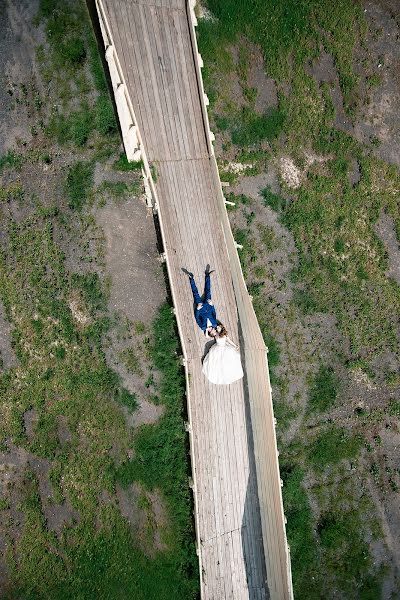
122	164
131	361
254	128
272	200
74	70
11	160
120	189
333	445
342	262
323	390
300	529
79	183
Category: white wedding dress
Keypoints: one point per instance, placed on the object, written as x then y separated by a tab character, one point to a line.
222	363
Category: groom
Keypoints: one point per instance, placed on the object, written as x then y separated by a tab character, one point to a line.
206	317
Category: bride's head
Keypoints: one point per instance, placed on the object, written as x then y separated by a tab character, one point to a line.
221	331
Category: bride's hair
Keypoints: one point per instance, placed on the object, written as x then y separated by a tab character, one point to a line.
222	332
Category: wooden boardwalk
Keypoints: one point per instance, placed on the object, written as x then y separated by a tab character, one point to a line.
154	45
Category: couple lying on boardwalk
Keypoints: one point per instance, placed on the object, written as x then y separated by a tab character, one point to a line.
221	364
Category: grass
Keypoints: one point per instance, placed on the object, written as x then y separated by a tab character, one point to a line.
323	389
342	263
71	65
272	200
120	189
333	445
254	128
300	531
122	164
105	121
79	183
11	160
161	449
132	361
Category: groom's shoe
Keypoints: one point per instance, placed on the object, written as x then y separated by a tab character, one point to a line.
207	271
188	273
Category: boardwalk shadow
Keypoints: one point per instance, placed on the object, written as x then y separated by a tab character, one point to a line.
251	531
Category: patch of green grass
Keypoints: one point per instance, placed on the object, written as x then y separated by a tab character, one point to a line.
248	253
73	50
79	183
272	200
105	120
333	445
323	389
394	408
120	189
342	264
289	34
76	127
122	164
11	160
116	188
154	174
127	399
300	532
268	237
340	534
255	288
253	128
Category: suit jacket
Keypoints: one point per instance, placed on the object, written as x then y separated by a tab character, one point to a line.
207	311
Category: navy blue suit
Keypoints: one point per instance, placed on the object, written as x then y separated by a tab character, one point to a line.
207	311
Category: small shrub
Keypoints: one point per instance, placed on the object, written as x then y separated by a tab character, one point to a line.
339	246
272	200
127	399
255	288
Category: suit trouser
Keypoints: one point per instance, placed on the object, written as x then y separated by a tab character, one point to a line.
207	290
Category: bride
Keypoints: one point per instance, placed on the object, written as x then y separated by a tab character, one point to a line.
222	363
